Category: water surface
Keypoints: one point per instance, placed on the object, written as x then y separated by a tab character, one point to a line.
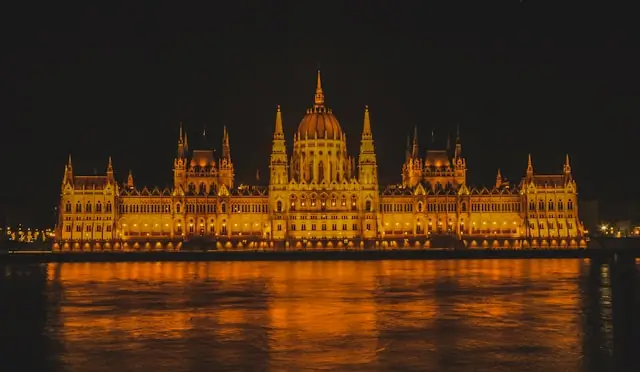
475	315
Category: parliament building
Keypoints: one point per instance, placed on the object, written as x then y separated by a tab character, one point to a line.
319	196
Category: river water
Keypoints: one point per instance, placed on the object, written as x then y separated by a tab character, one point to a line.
475	315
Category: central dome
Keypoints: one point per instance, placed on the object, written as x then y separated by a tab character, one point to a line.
319	121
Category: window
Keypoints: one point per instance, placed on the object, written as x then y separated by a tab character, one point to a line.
367	206
78	208
67	207
420	207
279	206
108	207
98	207
178	207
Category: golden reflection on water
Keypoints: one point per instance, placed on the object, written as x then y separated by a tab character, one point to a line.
377	315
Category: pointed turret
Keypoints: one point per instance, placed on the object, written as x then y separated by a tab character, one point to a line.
567	165
226	148
278	162
278	132
69	167
181	143
366	128
529	167
319	96
130	184
110	177
498	179
567	170
225	172
458	151
415	150
367	165
68	173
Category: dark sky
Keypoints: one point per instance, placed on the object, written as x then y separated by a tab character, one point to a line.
518	77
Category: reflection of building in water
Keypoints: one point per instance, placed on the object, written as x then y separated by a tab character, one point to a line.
320	192
172	313
323	306
331	315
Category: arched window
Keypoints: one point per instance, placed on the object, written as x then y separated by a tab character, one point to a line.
67	207
223	207
88	207
570	205
108	207
203	188
419	206
99	207
178	208
278	206
541	205
367	206
560	205
532	206
550	205
464	207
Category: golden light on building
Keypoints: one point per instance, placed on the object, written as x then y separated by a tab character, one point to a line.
320	192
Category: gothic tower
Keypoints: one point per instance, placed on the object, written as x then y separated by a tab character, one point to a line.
412	171
180	162
226	173
278	164
367	165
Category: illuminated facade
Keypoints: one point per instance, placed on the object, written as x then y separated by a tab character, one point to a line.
320	196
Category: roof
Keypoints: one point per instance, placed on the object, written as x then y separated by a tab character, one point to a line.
89	182
321	121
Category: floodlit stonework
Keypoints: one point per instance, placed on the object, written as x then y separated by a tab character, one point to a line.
320	196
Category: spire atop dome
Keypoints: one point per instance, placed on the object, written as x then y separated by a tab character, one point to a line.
319	97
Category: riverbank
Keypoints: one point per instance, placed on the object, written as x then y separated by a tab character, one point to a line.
425	254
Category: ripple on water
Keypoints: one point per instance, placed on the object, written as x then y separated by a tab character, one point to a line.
503	315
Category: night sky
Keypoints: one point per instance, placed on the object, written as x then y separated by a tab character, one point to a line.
517	77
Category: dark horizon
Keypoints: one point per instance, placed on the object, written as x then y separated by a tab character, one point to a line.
515	77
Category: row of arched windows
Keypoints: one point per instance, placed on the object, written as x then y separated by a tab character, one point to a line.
551	205
88	207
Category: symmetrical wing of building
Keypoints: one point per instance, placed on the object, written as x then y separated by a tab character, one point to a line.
319	194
